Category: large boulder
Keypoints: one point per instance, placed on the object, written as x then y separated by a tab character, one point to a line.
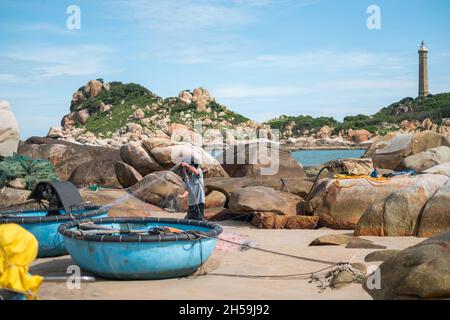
425	140
81	116
359	136
169	153
427	159
181	133
9	130
298	186
122	204
341	203
262	199
96	152
399	214
11	196
259	158
391	155
91	172
126	174
301	222
215	199
94	162
271	220
135	155
436	214
363	166
158	188
94	87
378	143
324	132
64	158
443	169
418	272
389	152
201	97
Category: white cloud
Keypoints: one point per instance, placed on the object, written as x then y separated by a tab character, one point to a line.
186	15
366	84
252	91
321	61
50	62
253	3
197	31
7	78
348	86
42	27
278	3
194	15
187	53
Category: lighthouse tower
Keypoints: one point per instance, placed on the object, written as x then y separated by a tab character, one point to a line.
423	71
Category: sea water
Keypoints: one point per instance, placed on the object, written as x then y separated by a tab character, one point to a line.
317	157
310	158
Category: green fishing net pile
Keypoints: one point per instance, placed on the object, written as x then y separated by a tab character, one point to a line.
31	170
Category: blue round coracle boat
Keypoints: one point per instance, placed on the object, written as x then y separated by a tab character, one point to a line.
140	248
44	226
10	295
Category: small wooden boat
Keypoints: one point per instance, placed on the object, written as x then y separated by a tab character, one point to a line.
140	248
59	202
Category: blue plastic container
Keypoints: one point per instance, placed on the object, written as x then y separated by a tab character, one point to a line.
133	257
45	227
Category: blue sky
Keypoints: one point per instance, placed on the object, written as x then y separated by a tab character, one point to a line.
262	58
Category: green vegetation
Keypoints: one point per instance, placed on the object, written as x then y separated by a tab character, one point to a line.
122	97
435	107
125	99
301	123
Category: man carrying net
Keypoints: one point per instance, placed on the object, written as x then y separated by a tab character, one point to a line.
195	186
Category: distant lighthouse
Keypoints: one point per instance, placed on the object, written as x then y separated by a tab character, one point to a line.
423	71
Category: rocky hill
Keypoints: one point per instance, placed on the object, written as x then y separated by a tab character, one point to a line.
114	113
435	108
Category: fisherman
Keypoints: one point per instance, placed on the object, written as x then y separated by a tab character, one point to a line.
195	186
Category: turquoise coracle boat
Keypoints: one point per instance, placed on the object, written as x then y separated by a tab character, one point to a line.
140	248
45	226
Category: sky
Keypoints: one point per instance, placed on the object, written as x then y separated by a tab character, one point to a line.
261	58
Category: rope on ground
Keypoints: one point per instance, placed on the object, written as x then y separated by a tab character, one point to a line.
313	187
323	278
271	251
376	182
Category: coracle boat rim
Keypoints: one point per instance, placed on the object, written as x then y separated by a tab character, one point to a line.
215	230
92	211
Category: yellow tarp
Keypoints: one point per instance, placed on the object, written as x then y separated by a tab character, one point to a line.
18	249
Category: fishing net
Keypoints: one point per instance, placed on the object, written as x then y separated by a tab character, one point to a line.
31	170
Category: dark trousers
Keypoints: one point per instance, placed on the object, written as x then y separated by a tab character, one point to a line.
196	212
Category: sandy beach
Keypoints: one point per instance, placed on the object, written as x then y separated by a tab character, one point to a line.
215	285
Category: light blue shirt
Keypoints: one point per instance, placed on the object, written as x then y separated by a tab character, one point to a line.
195	185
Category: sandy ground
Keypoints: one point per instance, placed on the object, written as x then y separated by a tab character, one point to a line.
250	262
